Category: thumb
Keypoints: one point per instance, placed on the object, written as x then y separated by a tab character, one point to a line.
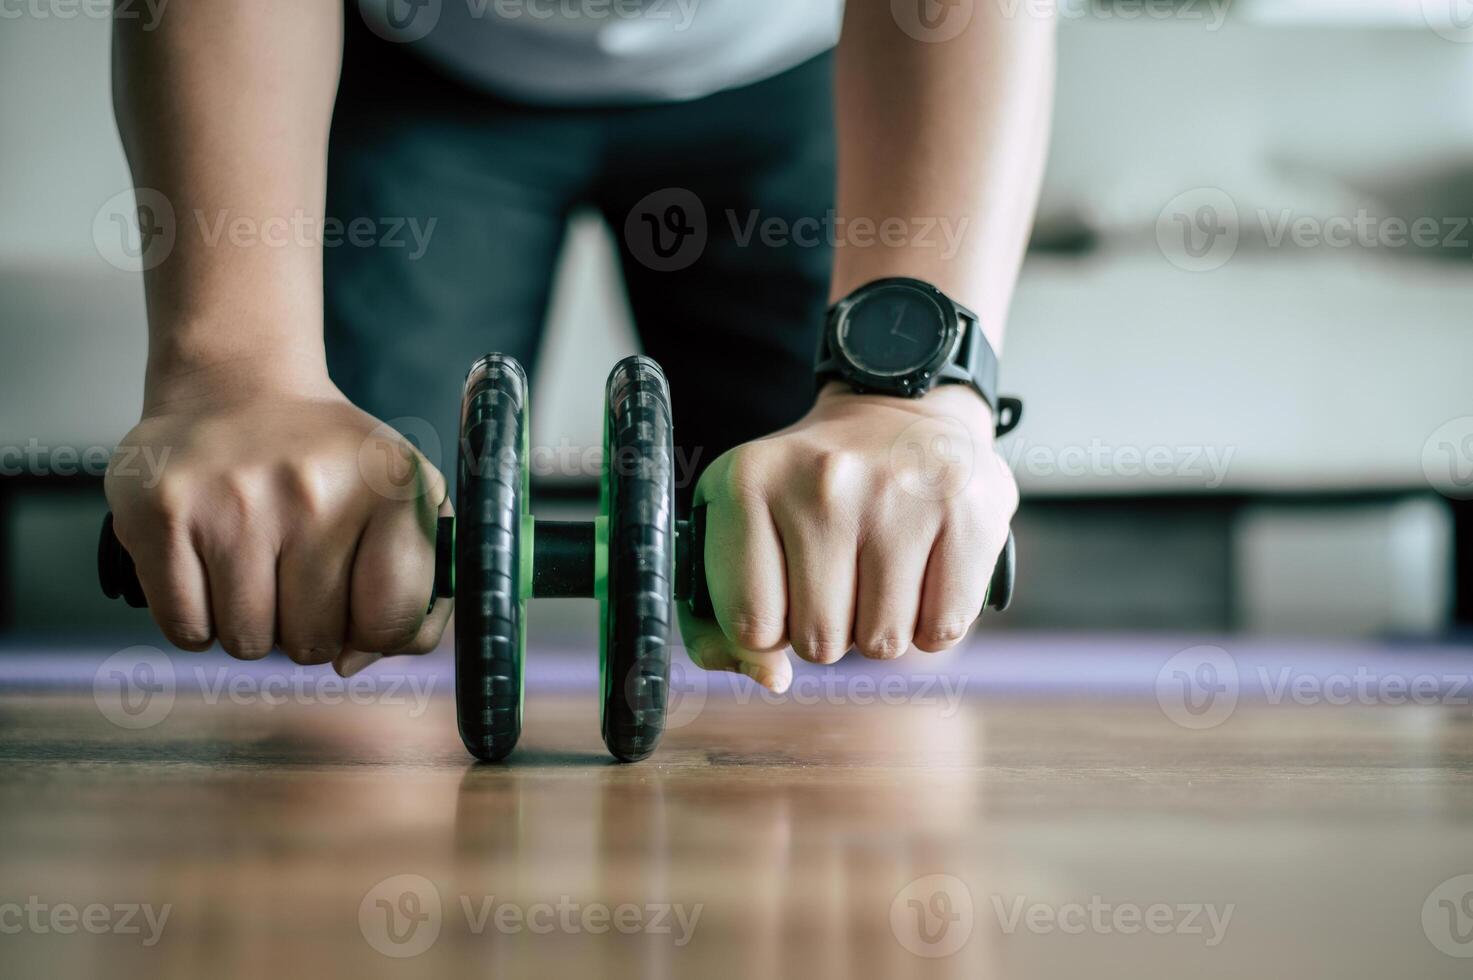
709	649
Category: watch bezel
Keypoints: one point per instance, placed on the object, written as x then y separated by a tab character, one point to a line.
913	381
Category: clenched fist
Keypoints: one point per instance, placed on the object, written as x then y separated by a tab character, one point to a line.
872	522
281	518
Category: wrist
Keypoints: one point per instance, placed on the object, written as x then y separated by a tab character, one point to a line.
953	401
187	369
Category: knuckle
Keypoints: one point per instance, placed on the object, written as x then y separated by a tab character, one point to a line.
387	631
883	645
754	629
941	633
821	645
834	472
310	651
309	485
745	473
246	644
186	633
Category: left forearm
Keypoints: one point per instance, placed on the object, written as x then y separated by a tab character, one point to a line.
945	139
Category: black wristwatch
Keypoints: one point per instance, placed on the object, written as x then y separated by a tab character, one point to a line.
904	337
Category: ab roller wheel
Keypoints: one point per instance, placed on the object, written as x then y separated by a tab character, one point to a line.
635	558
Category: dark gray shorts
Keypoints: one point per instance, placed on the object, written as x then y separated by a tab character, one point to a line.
732	315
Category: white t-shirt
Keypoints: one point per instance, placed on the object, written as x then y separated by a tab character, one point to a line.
585	52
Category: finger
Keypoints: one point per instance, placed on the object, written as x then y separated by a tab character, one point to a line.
892	568
242	588
312	593
173	578
392	579
433	628
350	662
745	570
710	649
822	570
957	574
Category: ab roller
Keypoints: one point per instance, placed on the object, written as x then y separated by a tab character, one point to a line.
635	558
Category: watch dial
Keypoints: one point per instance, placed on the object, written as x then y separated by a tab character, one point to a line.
893	331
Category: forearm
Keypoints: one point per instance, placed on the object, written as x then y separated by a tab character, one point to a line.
224	110
952	132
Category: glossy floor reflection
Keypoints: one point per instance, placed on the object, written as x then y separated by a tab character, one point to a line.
1027	837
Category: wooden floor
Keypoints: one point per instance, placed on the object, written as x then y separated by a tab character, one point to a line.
1029	837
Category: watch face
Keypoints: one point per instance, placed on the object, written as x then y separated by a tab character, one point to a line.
893	331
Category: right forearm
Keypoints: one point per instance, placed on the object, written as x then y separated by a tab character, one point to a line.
224	109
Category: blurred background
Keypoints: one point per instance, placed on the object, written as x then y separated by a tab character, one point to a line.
1244	332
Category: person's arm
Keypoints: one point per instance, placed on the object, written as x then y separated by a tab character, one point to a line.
847	528
278	516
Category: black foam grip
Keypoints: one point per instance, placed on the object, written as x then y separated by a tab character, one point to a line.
119	579
692	553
